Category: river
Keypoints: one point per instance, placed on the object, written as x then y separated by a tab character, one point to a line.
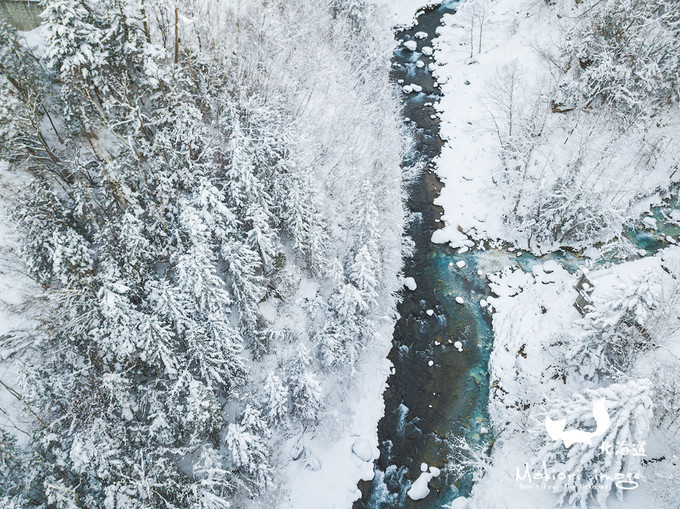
440	385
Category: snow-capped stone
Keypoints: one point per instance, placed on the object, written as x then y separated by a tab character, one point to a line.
460	264
411	45
458	345
430	363
421	35
483	303
460	300
429	312
427	50
463	249
592	252
412	88
410	283
368	474
649	222
459	503
420	64
419	489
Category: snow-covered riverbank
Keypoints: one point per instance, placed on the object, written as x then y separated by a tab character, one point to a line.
518	165
545	353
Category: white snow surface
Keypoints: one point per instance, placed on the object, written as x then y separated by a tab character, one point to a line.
533	310
401	13
469	163
15	289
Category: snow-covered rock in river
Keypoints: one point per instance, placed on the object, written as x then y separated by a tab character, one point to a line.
649	222
410	283
410	45
412	88
427	50
459	503
419	489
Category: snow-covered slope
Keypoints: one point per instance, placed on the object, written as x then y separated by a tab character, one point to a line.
518	165
543	354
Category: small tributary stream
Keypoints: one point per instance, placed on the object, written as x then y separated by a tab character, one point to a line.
440	385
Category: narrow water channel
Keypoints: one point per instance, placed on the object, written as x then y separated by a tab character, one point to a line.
441	347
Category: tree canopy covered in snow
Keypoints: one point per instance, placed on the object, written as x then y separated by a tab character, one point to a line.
211	202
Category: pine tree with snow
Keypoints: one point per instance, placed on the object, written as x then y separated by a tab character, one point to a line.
363	275
306	395
276	399
303	221
249	452
617	328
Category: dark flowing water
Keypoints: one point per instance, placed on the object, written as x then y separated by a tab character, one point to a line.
439	391
436	390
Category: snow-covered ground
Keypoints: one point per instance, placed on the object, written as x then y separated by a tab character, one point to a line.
495	71
341	450
401	12
16	288
533	365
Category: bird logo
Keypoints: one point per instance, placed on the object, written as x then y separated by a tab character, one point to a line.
557	432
